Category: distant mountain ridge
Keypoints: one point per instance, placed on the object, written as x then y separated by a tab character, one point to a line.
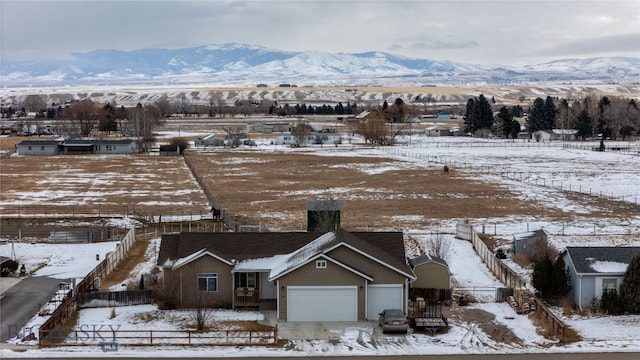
234	63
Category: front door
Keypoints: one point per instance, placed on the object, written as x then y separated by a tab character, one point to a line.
267	288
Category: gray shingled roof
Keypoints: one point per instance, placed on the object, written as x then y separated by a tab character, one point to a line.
426	259
584	257
39	143
384	246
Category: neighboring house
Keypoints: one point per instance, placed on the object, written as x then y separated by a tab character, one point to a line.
317	137
126	146
333	276
431	273
593	270
530	242
210	140
437	131
34	147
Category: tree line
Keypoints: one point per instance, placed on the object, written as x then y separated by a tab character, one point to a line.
605	117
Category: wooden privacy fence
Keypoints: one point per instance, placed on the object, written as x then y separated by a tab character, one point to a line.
543	313
70	306
52	329
93	335
114	298
107	265
466	232
505	274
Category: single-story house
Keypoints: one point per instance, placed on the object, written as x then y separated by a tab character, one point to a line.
310	276
317	137
596	269
55	147
126	146
35	147
431	272
437	131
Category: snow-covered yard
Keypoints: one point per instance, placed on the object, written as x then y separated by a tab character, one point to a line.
606	172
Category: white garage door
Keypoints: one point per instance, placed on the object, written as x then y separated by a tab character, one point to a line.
322	303
380	297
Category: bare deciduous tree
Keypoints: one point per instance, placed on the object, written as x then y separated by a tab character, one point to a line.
439	246
374	128
300	131
83	116
201	313
143	120
33	103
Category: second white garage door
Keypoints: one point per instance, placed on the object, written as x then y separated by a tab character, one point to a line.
380	297
322	303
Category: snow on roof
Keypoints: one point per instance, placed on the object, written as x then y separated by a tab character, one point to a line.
609	266
363	114
302	255
262	264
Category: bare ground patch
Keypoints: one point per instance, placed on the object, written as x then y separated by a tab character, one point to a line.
98	185
272	188
485	320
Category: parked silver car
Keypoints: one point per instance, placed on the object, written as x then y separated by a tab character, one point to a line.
393	320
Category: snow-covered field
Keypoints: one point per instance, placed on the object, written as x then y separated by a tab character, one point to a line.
606	172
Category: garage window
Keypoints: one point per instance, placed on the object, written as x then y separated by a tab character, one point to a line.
208	282
321	264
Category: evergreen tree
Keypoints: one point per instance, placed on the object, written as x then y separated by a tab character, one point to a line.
478	114
468	116
561	279
630	286
536	119
517	111
584	125
603	126
611	302
504	122
550	113
542	277
485	113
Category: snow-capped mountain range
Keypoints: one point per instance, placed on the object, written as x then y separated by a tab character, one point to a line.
240	64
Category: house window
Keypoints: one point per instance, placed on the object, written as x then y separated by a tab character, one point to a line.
246	280
609	285
321	264
42	148
29	147
208	282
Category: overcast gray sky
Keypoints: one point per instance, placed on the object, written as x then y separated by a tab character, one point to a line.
473	31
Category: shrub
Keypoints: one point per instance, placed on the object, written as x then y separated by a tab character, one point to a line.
611	302
9	266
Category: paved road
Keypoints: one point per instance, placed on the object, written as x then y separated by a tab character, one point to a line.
22	301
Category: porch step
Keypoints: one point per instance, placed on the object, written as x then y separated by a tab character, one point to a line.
267	305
